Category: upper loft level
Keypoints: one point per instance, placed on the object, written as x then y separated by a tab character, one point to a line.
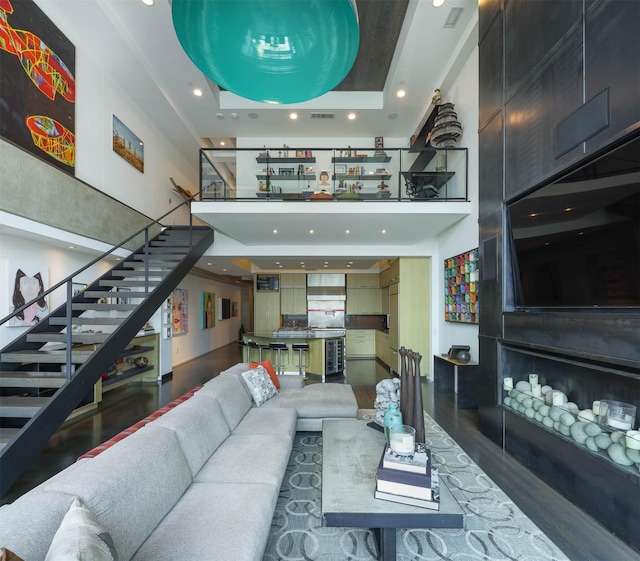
307	174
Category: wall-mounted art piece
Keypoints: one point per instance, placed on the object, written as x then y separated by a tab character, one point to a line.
180	312
208	310
461	279
127	145
234	309
37	97
26	282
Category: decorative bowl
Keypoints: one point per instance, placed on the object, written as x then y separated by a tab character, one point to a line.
141	361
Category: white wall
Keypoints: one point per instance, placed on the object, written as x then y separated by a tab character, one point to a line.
197	342
98	98
462	236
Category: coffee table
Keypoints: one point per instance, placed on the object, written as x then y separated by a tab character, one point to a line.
351	452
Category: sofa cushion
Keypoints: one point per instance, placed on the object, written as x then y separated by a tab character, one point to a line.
214	522
275	420
266	364
81	538
27	525
131	486
259	384
248	459
231	393
200	427
318	401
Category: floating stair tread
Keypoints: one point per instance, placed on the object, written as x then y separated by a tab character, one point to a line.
126	273
7	434
85	338
86	321
16	406
22	379
85	306
45	357
127	283
109	294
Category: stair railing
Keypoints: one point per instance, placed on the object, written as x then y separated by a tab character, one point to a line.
68	281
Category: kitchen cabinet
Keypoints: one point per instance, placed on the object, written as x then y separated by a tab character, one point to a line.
363	294
361	343
266	311
410	310
293	301
385	299
382	347
293	280
391	275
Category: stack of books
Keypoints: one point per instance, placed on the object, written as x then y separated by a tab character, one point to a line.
409	479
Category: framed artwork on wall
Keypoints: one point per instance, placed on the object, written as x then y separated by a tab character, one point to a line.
26	282
37	97
180	312
461	279
127	145
208	310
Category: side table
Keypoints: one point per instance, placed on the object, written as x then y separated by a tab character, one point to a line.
460	378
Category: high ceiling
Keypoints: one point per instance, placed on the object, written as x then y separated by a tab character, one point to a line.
405	44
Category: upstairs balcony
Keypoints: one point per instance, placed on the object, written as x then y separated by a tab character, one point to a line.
303	174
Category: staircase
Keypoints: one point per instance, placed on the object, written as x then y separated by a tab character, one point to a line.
36	397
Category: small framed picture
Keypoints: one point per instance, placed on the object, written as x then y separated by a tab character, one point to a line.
300	153
341	169
285	171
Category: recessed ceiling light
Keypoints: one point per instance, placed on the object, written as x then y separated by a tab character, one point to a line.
311	231
275	231
293	116
533	214
351	116
325	265
347	231
71	247
384	231
197	92
223	143
209	264
234	115
437	3
401	93
224	270
277	262
301	262
219	116
148	2
568	209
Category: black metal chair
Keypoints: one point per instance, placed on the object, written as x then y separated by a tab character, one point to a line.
302	348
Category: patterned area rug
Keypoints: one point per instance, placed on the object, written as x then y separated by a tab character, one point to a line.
495	528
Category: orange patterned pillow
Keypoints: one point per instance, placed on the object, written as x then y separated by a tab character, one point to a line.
266	364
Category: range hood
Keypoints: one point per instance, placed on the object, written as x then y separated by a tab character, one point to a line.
329	286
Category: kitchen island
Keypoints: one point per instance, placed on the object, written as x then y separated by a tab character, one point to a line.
326	349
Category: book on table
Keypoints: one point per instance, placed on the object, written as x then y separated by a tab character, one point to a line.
432	504
400	482
418	462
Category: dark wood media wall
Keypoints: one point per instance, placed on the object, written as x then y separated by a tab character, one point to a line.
540	64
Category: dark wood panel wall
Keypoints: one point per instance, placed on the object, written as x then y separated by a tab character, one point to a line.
540	63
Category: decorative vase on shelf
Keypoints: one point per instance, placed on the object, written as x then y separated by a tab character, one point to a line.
446	133
392	419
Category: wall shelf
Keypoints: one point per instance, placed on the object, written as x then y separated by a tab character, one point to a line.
353	177
268	160
290	177
361	159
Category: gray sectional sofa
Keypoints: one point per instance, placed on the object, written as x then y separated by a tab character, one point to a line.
198	483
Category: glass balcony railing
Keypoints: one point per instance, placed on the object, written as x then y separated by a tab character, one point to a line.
336	174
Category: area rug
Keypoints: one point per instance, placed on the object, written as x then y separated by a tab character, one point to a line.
495	528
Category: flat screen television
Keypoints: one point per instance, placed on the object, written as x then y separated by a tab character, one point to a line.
575	243
267	282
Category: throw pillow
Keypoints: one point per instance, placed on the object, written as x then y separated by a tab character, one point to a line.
259	384
6	555
81	538
266	364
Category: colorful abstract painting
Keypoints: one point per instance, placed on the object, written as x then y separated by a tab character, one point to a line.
37	97
461	280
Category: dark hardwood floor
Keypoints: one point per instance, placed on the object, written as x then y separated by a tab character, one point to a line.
577	534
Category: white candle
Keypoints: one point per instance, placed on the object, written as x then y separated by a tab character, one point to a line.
536	390
402	443
533	379
507	383
557	398
619	423
633	439
596	408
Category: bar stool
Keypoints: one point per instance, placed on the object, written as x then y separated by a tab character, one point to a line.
263	347
253	346
278	347
302	359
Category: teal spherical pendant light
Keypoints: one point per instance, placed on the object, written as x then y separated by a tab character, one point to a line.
276	51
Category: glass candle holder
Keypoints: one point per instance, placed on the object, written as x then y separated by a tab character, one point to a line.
402	439
617	414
